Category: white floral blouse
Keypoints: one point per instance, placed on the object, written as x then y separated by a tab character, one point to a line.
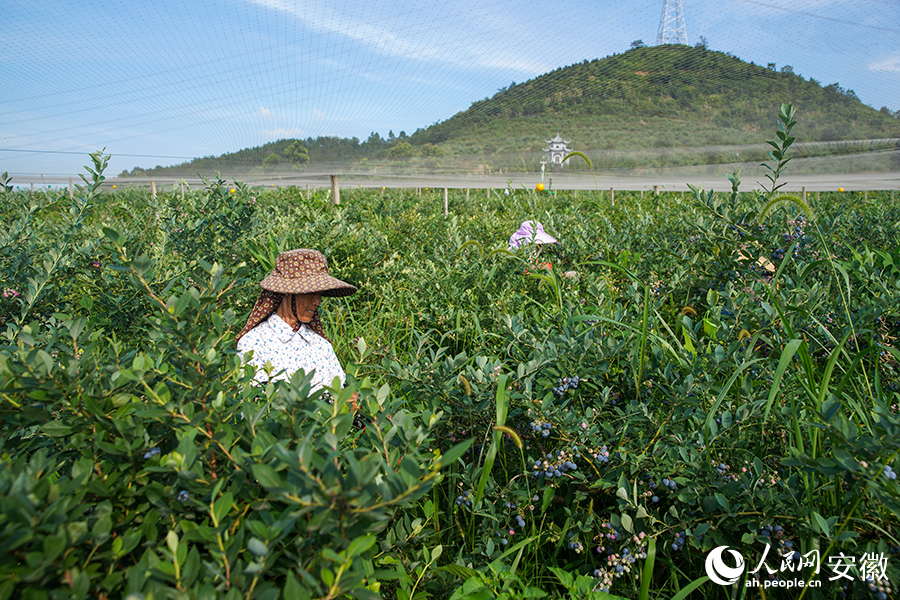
288	351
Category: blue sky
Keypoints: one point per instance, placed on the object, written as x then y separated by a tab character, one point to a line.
161	82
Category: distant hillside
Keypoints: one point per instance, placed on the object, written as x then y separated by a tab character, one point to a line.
650	106
663	96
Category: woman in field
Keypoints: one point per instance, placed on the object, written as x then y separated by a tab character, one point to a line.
284	328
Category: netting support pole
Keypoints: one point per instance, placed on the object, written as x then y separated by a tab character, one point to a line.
467	196
575	193
803	194
307	193
153	190
612	196
70	189
182	190
335	190
446	203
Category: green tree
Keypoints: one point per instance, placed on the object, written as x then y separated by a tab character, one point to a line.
431	151
296	154
271	162
400	150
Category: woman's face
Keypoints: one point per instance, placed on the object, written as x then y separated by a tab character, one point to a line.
307	304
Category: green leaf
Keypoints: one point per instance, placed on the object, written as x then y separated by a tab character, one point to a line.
822	523
783	363
360	545
627	523
460	571
723	501
686	590
267	477
57	429
293	590
257	547
221	507
647	574
172	542
564	577
450	456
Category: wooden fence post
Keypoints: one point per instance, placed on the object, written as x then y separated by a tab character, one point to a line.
803	193
656	190
612	196
488	192
446	204
32	191
70	189
467	196
575	191
308	196
335	190
866	195
153	190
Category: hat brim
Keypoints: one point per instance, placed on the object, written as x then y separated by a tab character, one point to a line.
325	284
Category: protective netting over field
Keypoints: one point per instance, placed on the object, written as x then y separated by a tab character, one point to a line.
412	93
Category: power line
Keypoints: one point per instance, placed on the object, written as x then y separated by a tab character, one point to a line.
82	154
815	16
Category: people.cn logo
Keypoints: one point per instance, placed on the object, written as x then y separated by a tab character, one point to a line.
721	573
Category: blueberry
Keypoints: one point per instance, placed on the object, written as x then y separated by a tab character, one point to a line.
183	495
655	498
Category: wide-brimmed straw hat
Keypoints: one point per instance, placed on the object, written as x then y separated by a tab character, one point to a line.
304	271
530	232
296	272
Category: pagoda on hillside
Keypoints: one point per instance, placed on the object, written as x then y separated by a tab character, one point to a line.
557	150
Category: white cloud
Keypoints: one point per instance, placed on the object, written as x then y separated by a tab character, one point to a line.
280	133
886	65
389	43
265	112
318	115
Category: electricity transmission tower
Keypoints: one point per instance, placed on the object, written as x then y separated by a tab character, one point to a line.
672	29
